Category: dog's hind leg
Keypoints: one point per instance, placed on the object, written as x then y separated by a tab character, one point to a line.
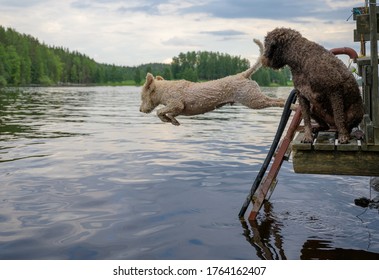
168	113
322	125
275	102
306	112
262	101
255	99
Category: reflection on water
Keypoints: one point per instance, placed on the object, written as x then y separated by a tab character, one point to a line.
269	243
85	175
260	235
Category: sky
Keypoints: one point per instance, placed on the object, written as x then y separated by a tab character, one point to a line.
135	32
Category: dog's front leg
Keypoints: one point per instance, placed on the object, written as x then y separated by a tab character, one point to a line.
339	118
306	112
168	113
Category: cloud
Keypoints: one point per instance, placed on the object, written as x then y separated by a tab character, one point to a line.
132	32
182	41
81	5
224	33
274	9
20	3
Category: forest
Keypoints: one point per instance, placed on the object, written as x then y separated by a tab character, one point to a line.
24	61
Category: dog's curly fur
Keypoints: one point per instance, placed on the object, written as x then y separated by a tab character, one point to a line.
327	90
188	98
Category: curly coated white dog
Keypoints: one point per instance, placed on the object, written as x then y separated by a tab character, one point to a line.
188	98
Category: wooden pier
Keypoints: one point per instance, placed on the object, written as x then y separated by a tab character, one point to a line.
360	157
326	156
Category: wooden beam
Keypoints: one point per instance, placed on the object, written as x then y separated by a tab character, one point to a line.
374	65
327	156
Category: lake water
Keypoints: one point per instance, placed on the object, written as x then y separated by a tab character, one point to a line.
85	175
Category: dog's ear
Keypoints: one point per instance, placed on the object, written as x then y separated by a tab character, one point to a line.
159	78
149	84
276	43
270	48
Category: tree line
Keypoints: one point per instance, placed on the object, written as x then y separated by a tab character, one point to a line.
195	66
26	61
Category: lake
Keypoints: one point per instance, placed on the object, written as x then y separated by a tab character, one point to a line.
85	175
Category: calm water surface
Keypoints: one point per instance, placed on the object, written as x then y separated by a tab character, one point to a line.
85	175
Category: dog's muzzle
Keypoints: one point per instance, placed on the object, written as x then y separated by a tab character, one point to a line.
144	110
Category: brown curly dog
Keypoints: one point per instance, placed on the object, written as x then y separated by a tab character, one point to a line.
327	90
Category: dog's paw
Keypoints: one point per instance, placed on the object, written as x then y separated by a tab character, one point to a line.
163	117
175	122
294	107
165	120
307	138
343	139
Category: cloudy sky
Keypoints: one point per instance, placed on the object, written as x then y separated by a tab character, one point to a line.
133	32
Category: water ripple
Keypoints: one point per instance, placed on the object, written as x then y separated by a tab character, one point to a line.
85	175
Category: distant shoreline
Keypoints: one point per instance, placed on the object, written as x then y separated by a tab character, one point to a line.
113	84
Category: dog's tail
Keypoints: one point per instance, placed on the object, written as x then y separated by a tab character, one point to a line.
258	63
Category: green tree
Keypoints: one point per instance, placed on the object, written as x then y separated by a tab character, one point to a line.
3	72
74	76
12	65
167	74
190	75
137	77
149	69
24	60
262	77
37	70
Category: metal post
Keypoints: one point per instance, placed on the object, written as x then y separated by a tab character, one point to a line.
374	65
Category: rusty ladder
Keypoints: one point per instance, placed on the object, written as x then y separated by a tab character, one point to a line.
265	184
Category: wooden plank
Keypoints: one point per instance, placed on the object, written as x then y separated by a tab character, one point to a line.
362	11
363	24
351	146
298	145
369	148
325	141
374	63
355	163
